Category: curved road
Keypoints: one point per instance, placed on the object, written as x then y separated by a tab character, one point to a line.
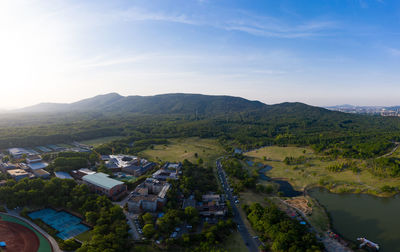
251	243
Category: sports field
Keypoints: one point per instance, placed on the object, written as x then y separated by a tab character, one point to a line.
20	236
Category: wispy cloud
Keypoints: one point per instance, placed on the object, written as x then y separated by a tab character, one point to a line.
234	20
107	61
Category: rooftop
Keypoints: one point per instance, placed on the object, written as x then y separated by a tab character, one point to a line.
62	175
17	172
138	198
38	165
41	172
102	180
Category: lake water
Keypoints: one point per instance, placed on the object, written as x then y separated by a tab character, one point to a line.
285	187
361	215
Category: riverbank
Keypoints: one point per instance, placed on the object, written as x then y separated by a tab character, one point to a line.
362	215
308	169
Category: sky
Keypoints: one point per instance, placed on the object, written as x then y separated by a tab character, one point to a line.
320	52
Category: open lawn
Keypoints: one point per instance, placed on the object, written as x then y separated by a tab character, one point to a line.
318	219
314	172
185	148
102	140
279	153
86	236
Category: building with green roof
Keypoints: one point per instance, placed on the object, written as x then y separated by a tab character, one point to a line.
101	183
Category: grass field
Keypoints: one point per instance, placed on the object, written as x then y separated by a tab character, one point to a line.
86	236
180	149
102	140
44	243
318	219
315	172
279	153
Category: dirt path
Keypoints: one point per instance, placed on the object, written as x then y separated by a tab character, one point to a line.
393	151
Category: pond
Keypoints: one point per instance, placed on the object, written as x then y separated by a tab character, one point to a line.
362	215
284	187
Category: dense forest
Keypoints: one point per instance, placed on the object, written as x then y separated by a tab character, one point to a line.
283	233
242	123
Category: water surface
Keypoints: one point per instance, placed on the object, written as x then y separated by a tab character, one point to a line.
361	215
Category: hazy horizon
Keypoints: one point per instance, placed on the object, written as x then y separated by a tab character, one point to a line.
322	53
10	109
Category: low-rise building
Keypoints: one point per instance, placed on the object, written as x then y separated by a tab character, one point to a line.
4	167
78	174
19	174
129	164
212	205
102	184
63	175
40	173
33	159
149	196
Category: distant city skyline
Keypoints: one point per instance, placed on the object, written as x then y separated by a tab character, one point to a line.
319	52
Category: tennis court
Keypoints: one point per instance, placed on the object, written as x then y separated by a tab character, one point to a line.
67	224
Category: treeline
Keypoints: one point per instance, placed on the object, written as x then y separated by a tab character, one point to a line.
295	160
130	145
331	133
385	167
233	167
68	161
279	231
110	231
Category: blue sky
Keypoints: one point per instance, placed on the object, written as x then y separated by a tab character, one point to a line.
315	51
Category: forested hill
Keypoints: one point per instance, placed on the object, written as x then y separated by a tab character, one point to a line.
240	122
158	104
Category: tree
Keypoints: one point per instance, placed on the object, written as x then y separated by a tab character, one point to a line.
148	218
149	230
91	217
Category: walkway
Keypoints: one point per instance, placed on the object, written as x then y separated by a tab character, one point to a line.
52	241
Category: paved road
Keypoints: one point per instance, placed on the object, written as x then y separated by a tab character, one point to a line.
251	243
133	230
52	241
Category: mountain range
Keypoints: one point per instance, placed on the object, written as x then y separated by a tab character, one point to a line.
161	104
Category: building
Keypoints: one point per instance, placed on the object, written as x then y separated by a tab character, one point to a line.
212	205
168	171
4	167
162	174
33	159
37	165
138	171
149	196
62	175
19	174
102	184
40	173
128	164
78	174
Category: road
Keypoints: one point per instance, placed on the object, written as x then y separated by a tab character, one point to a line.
251	243
133	229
